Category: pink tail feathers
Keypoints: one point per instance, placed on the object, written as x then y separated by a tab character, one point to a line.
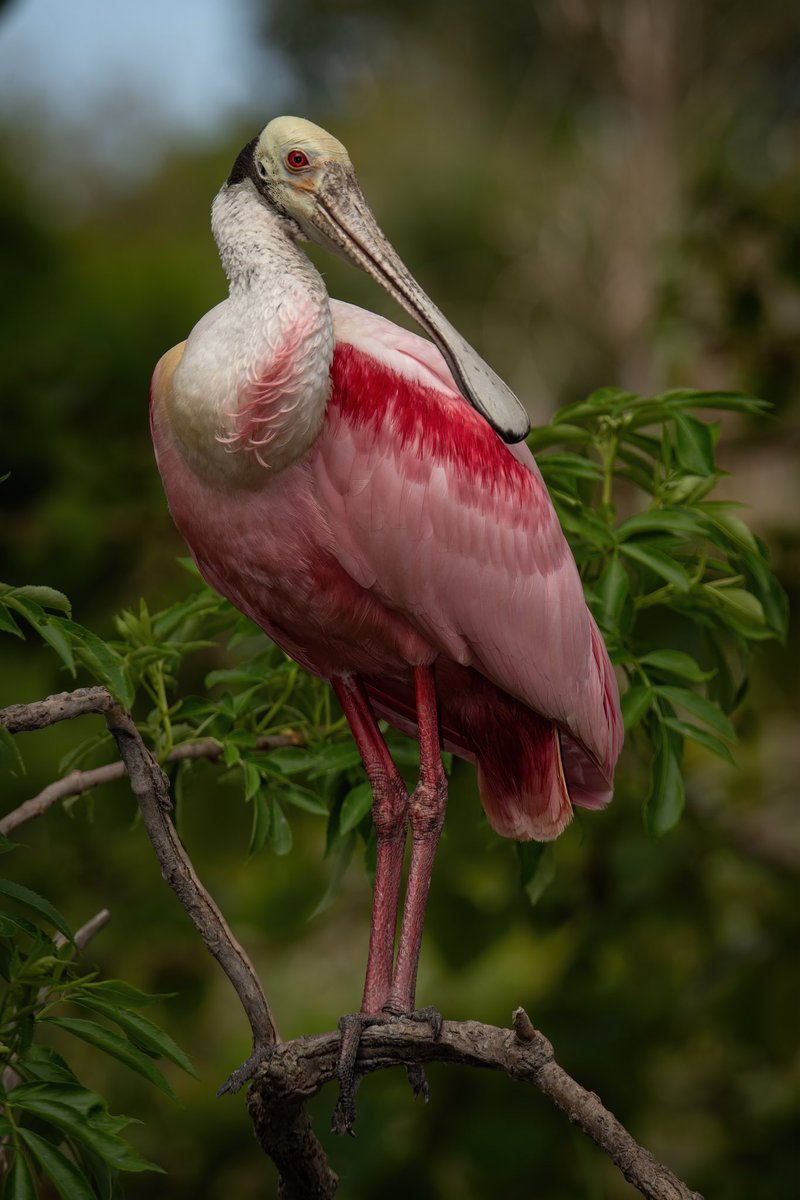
522	783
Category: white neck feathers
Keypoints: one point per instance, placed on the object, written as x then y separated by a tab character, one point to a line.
249	395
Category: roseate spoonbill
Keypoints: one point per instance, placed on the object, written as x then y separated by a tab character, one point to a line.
356	490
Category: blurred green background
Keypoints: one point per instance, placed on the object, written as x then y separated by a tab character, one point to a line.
596	192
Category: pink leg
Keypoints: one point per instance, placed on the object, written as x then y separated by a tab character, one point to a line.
426	810
389	814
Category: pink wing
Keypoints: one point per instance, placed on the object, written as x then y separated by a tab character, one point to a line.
444	522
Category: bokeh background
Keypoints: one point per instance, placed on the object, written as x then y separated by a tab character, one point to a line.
596	192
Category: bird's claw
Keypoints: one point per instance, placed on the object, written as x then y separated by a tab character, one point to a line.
350	1030
418	1080
238	1078
429	1016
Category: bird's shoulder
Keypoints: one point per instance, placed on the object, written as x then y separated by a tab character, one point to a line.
164	370
396	393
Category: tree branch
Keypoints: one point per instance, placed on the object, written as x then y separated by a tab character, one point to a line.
290	1125
78	782
297	1070
292	1072
151	789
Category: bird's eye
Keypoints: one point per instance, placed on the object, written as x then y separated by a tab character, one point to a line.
296	160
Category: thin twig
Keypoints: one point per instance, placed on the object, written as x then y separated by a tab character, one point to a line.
295	1071
86	932
78	782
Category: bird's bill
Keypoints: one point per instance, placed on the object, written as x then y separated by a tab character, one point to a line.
336	215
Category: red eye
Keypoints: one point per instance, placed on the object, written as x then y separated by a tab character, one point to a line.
296	160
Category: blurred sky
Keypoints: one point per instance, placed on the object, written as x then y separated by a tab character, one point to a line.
128	76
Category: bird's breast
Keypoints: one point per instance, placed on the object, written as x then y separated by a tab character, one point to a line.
273	553
249	395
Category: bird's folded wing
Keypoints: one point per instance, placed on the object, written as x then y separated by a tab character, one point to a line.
449	525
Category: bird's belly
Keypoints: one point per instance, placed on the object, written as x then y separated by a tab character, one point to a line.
272	553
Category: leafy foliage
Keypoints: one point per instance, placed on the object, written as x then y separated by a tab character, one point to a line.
665	569
51	1124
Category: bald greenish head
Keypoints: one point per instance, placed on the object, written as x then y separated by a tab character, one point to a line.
306	175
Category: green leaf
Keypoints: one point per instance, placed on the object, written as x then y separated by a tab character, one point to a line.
19	1183
33	900
723	401
741	607
705	710
116	991
634	704
341	862
305	800
292	760
45	1064
721	515
280	832
119	1048
341	757
587	526
146	1034
686	489
8	624
46	596
553	435
612	588
701	736
189	565
103	662
537	863
665	802
771	595
602	402
262	822
658	562
10	750
570	465
51	632
694	445
94	1128
67	1179
252	779
675	662
662	520
357	803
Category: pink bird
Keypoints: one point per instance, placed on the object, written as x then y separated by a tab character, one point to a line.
364	495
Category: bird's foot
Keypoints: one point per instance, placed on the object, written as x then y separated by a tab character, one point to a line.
416	1072
350	1029
238	1078
426	1016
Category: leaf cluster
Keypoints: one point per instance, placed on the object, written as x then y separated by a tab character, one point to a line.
51	1126
678	583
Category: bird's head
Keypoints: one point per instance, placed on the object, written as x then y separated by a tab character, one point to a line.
306	175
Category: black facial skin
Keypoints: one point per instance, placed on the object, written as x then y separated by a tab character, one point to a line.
245	165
